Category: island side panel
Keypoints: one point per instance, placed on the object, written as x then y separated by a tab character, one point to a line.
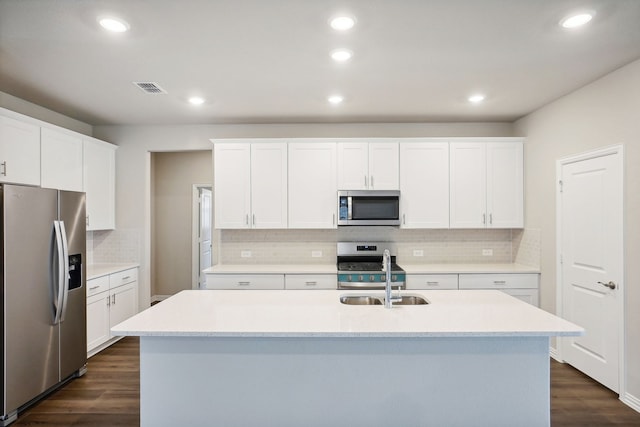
200	381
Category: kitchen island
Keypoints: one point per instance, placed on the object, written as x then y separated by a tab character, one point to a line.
292	358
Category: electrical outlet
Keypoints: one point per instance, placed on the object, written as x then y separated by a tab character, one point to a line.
245	254
487	252
316	254
418	252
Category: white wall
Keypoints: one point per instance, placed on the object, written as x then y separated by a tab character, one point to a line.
21	106
136	142
605	112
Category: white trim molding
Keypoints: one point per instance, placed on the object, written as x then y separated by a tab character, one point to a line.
631	401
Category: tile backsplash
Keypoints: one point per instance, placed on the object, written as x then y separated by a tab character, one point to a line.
414	246
113	246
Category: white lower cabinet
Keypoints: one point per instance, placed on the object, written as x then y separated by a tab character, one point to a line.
111	299
522	286
245	281
310	281
432	281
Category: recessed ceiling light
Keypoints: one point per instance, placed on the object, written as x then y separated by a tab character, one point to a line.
196	100
476	99
335	99
341	55
577	20
112	24
342	23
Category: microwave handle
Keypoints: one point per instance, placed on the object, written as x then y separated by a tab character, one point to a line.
349	207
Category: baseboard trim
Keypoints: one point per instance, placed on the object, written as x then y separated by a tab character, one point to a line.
158	298
553	353
631	401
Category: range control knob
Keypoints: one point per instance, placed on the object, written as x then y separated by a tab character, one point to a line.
372	278
394	278
361	278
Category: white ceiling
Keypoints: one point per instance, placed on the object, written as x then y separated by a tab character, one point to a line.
267	61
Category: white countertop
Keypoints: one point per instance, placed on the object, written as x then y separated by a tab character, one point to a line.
98	270
272	269
276	313
468	268
331	268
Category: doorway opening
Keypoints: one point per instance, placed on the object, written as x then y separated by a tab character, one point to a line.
201	237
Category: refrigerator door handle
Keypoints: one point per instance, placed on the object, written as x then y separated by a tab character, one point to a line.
59	288
65	261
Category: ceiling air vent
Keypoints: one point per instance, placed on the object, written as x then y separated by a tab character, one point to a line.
150	87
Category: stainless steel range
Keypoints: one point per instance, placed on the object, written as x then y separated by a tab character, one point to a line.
360	266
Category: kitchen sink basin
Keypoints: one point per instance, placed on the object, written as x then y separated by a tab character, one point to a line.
371	300
360	300
411	300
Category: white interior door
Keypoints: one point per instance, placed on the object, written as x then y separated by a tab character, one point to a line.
205	234
591	239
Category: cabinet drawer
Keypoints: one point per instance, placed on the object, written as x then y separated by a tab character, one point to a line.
245	281
123	277
311	281
432	281
498	281
97	285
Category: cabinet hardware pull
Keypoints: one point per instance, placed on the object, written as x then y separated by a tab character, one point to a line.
114	299
433	283
246	219
499	282
253	219
108	301
311	283
4	168
372	182
94	287
484	218
333	221
404	219
244	283
490	218
610	285
126	277
366	183
88	220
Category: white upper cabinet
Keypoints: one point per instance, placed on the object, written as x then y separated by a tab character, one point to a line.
312	185
19	152
368	166
486	182
250	185
61	160
505	185
269	185
99	183
424	185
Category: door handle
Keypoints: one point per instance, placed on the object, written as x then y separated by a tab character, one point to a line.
4	168
610	285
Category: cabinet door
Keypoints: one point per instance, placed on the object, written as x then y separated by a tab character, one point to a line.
99	184
353	165
384	164
467	172
124	303
312	185
19	152
61	161
505	186
530	296
97	320
269	185
432	281
232	185
424	185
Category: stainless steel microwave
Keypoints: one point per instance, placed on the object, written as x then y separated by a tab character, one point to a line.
369	207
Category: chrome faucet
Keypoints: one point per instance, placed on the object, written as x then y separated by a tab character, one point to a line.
386	267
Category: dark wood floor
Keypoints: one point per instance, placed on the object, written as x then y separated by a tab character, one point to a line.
108	395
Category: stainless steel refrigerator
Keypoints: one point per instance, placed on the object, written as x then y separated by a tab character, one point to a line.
43	291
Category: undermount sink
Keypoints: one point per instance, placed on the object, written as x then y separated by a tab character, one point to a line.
371	300
360	300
